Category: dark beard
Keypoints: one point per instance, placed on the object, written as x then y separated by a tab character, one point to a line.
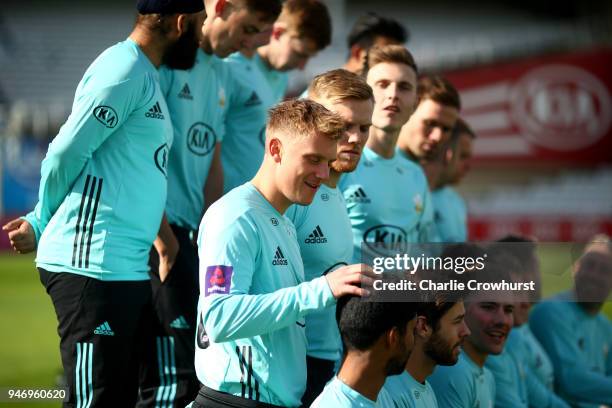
396	366
182	54
439	351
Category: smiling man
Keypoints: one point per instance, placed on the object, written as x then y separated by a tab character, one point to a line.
380	211
302	29
253	295
439	333
323	228
196	99
489	317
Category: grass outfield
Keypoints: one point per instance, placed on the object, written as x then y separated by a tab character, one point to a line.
29	356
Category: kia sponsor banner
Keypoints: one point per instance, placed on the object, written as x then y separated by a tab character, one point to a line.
544	228
552	108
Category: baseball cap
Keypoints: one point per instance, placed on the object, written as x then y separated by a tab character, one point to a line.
169	6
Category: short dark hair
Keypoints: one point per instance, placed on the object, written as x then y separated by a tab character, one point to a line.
394	54
363	321
309	19
461	128
371	25
435	305
269	9
439	90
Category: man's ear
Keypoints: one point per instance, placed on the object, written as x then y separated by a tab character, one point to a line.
277	30
220	6
358	53
392	337
181	24
422	328
448	155
275	148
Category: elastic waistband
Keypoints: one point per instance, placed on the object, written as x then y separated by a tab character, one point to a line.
207	394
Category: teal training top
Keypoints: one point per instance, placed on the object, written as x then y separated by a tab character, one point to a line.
253	299
528	385
325	238
103	181
510	376
382	212
537	359
427	229
337	394
463	385
579	347
197	100
246	120
450	215
406	392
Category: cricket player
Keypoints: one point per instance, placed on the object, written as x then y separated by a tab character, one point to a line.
251	340
196	101
519	369
101	200
439	333
450	212
429	129
489	317
380	211
378	339
300	32
576	335
323	227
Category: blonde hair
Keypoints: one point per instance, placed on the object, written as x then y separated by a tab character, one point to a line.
304	118
339	85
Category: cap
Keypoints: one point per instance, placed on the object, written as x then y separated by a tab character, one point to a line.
169	6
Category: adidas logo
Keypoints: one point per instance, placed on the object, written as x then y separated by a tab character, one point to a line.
253	100
179	323
279	258
185	93
155	112
359	196
104	329
316	237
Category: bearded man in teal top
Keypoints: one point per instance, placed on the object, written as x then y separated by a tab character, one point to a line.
323	227
101	200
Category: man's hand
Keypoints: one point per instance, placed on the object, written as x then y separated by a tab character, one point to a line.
167	247
348	279
21	235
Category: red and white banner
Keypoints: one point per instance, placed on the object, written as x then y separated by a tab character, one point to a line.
552	108
545	228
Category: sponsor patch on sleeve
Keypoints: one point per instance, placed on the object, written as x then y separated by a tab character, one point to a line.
218	279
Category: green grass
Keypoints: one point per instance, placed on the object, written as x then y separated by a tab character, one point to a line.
29	356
